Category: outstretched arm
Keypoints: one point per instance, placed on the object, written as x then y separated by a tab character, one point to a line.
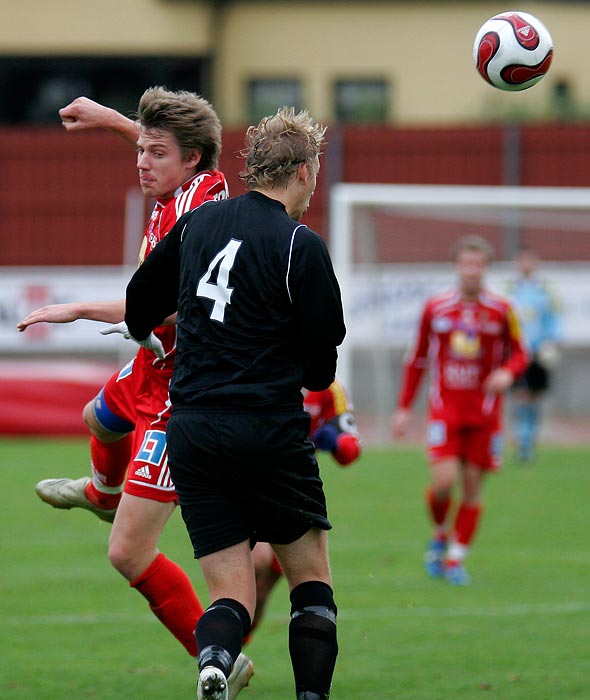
83	114
106	311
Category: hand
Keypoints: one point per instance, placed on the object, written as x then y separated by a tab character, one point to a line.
83	113
498	381
152	342
548	355
400	422
54	313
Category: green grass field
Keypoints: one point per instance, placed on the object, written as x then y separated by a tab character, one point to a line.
72	628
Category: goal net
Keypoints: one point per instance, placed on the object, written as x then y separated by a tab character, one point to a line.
390	246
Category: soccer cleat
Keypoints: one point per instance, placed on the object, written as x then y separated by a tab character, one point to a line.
212	684
70	493
434	558
240	676
456	575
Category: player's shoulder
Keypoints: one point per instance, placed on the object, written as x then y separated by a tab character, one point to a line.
304	238
442	300
495	300
305	233
206	185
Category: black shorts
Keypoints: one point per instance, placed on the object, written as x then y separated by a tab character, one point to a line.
535	378
245	476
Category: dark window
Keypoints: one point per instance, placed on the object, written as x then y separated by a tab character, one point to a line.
266	96
33	89
362	101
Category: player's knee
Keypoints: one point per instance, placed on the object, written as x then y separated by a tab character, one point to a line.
89	417
103	423
95	428
118	556
313	608
124	558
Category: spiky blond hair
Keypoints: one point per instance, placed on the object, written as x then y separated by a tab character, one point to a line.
276	147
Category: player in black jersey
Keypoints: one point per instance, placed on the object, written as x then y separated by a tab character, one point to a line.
259	317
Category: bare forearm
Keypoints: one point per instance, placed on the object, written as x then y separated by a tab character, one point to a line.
83	114
127	129
105	311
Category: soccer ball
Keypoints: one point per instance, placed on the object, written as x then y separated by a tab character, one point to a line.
513	51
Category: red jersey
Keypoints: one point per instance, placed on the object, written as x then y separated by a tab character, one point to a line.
461	342
323	406
204	186
333	408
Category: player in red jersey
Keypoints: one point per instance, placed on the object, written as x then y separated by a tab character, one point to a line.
333	429
178	141
470	340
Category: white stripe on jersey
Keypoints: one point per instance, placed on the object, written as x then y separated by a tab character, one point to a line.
290	254
164	479
182	203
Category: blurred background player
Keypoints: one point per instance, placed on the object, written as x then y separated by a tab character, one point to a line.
334	430
333	426
541	327
178	141
470	340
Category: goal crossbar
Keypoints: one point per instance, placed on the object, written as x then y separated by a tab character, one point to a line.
345	196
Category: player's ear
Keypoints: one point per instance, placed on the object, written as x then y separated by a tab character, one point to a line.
303	172
194	159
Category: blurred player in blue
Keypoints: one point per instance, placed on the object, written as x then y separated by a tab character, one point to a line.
541	326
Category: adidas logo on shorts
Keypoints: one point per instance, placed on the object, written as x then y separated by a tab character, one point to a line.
144	472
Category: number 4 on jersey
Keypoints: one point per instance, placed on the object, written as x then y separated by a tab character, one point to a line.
219	291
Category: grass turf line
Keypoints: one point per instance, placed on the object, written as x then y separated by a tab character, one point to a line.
73	628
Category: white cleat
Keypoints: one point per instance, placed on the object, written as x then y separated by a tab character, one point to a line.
212	684
69	493
240	676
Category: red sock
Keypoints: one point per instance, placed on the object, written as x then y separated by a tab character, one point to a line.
172	599
437	507
109	469
466	523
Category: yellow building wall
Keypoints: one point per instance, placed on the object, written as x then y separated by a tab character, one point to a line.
424	49
66	27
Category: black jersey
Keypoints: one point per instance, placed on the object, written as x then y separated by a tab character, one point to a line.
259	307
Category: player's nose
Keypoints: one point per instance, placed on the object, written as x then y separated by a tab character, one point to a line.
142	161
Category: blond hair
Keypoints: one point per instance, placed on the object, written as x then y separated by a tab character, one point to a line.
276	147
473	243
188	117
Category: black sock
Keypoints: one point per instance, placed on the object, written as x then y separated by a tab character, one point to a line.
312	639
219	634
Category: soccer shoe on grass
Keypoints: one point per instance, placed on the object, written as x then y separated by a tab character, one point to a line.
69	493
240	676
456	575
434	558
212	684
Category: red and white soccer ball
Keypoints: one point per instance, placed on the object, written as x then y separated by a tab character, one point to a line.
513	51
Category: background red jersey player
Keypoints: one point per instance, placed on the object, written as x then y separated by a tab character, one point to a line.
333	426
470	341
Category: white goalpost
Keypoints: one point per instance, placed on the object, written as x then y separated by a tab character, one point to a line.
383	292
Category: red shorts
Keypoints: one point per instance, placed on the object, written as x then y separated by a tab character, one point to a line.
478	445
140	401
